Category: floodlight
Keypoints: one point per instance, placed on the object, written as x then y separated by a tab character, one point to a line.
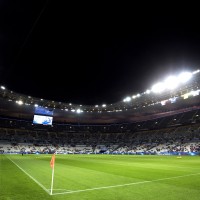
127	99
79	110
159	87
134	96
20	102
171	82
184	77
148	91
195	72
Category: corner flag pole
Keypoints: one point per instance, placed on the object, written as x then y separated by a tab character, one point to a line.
52	164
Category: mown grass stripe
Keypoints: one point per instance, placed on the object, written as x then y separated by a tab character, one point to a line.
127	184
42	186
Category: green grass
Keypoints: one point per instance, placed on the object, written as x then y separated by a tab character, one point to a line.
100	177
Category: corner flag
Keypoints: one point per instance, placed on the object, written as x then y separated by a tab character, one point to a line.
52	163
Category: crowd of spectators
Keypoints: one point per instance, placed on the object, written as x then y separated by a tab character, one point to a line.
172	139
179	133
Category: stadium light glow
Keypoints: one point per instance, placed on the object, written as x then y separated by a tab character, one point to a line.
184	77
159	87
171	82
148	91
79	111
133	96
127	99
20	102
195	72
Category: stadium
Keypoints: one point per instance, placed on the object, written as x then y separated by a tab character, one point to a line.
146	146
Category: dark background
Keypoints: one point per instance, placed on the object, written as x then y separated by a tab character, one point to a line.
86	53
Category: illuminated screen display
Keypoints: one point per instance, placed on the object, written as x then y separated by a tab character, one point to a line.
41	119
43	111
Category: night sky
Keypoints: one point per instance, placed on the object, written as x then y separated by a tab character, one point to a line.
93	53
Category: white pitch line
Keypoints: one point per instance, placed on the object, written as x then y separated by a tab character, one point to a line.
60	189
30	176
127	184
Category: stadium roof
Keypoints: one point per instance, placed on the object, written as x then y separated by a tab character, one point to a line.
142	107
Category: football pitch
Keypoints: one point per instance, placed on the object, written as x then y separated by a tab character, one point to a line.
100	177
